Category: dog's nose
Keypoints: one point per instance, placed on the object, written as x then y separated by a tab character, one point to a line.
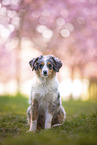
45	72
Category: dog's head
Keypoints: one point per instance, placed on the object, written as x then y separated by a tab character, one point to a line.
45	65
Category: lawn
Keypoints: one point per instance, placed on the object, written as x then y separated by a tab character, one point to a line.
79	128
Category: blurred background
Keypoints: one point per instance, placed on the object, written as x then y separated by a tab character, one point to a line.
64	28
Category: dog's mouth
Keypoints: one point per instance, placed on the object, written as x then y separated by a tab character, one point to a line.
45	75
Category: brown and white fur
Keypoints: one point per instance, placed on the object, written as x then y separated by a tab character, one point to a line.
45	107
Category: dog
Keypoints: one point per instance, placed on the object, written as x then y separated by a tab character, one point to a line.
45	108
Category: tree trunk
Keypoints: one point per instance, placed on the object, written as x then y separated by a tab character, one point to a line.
72	78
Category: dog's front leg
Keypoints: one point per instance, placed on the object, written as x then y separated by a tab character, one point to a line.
34	116
48	120
49	115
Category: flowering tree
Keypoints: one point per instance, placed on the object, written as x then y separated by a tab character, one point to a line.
67	29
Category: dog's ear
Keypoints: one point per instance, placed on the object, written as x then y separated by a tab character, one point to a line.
33	63
57	64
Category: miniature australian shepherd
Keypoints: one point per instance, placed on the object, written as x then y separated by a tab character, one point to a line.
45	108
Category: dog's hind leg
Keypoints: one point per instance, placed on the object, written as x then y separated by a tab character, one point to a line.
59	117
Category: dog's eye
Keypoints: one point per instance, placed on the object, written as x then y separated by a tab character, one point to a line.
49	66
41	66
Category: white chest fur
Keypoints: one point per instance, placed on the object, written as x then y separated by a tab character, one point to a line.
44	91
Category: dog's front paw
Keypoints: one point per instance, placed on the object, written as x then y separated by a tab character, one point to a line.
31	130
33	126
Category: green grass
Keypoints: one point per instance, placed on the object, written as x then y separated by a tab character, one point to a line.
79	128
